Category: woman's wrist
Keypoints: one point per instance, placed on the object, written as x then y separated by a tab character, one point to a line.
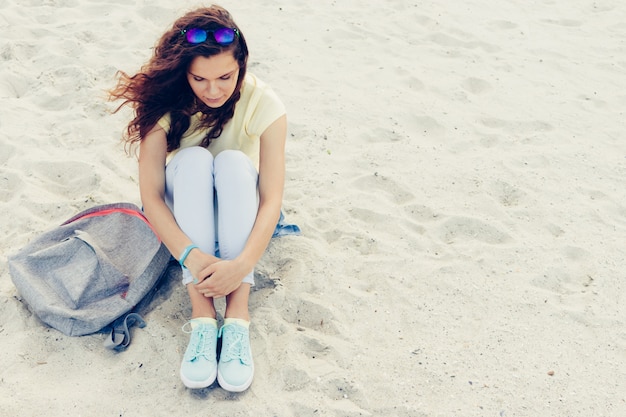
185	254
198	260
245	264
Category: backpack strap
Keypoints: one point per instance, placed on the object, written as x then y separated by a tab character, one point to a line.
119	337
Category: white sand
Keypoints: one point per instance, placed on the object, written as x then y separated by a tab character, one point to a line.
458	169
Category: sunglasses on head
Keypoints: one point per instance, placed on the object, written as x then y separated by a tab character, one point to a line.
222	36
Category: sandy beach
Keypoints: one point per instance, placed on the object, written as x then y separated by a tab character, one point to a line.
458	170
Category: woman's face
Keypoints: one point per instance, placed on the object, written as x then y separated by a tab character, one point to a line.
213	80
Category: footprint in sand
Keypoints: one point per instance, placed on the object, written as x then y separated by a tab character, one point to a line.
295	379
67	178
320	354
568	275
373	184
427	125
263	281
311	315
343	388
420	213
465	228
555	230
476	85
508	195
12	86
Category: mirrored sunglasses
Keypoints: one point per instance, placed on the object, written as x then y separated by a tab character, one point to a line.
222	36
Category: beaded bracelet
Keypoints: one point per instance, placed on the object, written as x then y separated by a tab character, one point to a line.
183	256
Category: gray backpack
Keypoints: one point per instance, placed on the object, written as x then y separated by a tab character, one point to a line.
92	271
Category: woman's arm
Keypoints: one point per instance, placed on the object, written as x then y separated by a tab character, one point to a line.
226	276
153	151
271	184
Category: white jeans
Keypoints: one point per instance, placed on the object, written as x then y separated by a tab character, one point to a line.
214	200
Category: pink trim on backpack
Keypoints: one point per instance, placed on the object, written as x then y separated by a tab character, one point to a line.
130	212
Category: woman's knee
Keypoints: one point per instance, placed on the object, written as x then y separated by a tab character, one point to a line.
234	164
194	161
194	155
231	157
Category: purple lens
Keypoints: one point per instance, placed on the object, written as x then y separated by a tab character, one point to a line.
224	36
196	35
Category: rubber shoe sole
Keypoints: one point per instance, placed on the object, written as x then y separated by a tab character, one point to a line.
235	388
198	384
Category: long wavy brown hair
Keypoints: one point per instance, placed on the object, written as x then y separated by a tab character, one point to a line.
161	85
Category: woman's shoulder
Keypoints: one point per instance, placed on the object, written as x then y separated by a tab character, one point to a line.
252	83
255	90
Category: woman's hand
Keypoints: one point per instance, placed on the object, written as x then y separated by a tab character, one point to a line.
221	278
198	261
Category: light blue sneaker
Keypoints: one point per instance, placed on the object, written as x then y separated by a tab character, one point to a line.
199	366
236	368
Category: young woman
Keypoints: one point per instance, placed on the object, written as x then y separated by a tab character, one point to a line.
211	172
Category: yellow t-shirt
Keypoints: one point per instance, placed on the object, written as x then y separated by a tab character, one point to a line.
255	111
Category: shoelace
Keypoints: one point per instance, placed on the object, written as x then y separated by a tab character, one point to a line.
236	345
200	337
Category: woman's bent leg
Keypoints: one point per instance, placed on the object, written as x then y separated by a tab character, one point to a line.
237	203
189	193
